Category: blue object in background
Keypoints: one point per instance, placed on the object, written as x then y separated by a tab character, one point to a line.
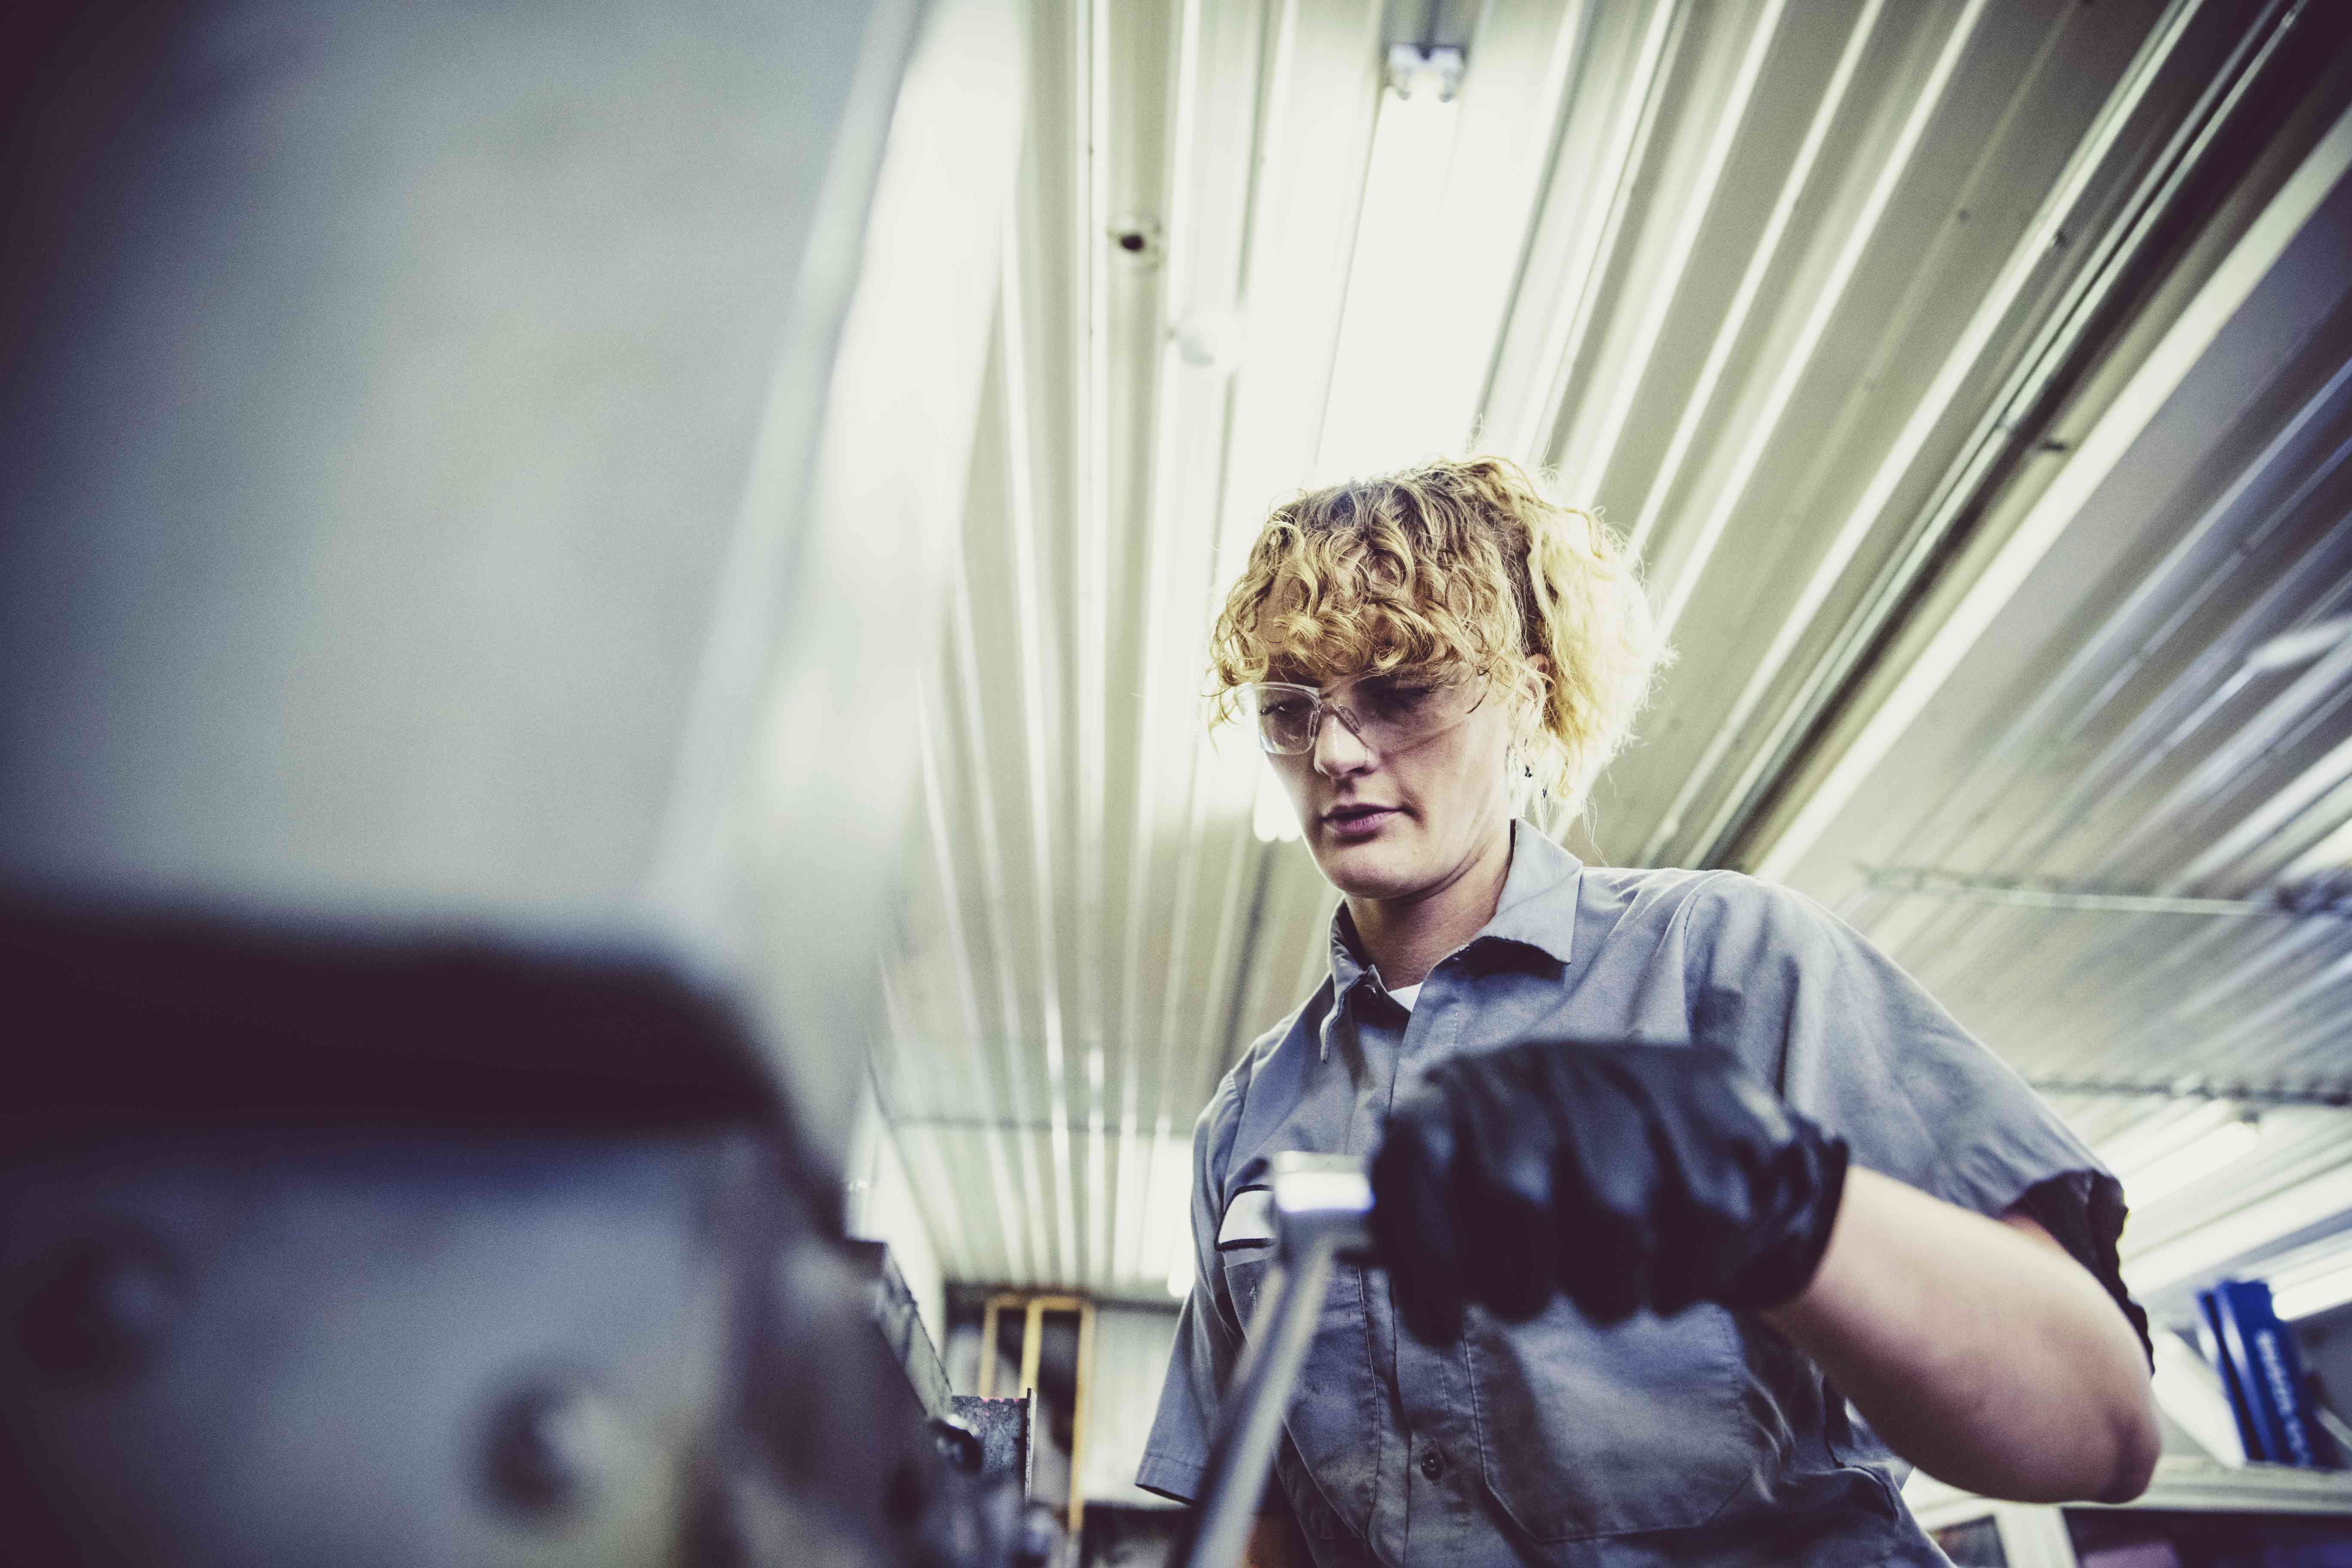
2261	1371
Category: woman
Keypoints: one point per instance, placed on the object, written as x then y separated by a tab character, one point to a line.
1698	1218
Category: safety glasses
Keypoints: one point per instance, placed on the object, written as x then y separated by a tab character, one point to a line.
1389	713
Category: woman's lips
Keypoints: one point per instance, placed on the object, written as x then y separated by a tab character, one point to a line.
1357	821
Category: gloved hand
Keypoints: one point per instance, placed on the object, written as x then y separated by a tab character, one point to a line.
1627	1176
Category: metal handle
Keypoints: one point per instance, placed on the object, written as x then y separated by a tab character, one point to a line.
1322	1212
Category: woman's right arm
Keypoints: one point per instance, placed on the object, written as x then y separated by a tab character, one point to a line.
1274	1543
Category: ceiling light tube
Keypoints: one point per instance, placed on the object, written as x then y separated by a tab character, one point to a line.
2192	1162
1272	817
2306	1294
2216	1245
2333	853
2291	648
2118	429
1392	392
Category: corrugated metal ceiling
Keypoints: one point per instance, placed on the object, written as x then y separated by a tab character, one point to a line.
1972	378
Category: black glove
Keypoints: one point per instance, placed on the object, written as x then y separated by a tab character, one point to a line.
1627	1176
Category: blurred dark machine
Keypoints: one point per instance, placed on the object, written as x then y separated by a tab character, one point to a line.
334	1247
473	473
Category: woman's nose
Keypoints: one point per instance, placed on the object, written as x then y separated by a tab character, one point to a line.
1339	750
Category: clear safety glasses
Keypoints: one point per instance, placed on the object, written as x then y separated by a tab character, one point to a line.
1387	713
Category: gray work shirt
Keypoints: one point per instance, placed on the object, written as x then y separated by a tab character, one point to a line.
1702	1438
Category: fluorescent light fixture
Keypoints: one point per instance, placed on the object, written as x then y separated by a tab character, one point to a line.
2165	1129
2192	1162
1395	393
2333	853
2311	1294
2099	454
2218	1244
2291	648
2310	1279
1272	817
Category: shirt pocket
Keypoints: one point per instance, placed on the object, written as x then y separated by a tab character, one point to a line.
1245	1274
1329	1539
1331	1430
1246	1247
1589	1431
1248	1223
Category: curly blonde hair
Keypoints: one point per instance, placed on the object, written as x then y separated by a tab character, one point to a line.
1462	562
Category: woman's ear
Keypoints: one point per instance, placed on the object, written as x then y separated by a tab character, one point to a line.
1538	698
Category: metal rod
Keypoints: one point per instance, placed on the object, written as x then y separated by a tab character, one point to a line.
2322	1094
1288	1305
1924	882
1322	1207
988	1350
1081	1404
1032	1343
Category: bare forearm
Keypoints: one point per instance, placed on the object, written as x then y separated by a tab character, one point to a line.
1979	1349
1273	1543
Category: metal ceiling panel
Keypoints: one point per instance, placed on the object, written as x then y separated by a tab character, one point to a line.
1829	307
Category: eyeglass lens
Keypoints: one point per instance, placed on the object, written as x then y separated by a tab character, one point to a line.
1388	711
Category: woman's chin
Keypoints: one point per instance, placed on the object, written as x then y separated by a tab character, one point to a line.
1371	869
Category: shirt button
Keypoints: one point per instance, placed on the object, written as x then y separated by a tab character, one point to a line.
1432	1466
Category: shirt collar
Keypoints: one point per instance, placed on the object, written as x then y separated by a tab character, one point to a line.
1347	966
1538	909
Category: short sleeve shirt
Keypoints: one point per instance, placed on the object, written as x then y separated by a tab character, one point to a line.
1705	1438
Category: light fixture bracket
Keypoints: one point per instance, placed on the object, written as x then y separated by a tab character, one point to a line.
1434	68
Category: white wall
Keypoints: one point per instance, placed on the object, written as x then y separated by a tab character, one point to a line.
881	1207
391	424
497	461
1131	1346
